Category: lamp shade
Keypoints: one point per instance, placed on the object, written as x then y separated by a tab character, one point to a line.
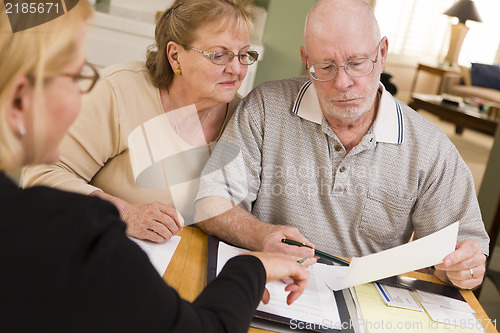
464	10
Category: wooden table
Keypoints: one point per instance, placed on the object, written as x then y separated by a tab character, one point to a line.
187	273
460	116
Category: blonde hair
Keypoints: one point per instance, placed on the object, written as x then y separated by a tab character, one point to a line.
38	52
180	24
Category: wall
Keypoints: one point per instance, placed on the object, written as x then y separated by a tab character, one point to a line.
149	6
283	36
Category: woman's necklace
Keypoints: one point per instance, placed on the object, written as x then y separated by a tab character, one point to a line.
197	131
172	111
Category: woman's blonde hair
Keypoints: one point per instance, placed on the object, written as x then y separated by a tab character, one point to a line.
181	23
38	53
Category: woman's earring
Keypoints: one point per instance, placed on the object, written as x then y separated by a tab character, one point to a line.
21	131
178	71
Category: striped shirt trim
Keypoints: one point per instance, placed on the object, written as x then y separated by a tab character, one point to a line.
399	112
300	96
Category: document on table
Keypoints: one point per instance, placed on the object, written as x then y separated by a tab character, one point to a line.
159	254
418	254
447	310
379	318
316	305
398	297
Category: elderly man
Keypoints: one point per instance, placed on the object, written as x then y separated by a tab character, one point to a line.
336	162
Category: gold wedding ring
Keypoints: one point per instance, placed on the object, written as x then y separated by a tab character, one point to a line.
471	273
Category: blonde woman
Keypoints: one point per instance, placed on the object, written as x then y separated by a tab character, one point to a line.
201	57
67	265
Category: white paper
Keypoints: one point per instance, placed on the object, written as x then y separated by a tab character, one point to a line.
397	297
443	301
448	310
316	305
225	253
418	254
159	254
451	317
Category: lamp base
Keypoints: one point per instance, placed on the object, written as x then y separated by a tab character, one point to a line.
458	33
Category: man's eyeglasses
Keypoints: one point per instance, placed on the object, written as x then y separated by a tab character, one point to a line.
86	79
355	67
225	57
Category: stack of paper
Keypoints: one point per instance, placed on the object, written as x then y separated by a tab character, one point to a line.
378	317
397	297
316	305
159	254
446	310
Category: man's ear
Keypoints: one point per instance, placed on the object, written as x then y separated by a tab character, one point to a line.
19	102
384	49
303	56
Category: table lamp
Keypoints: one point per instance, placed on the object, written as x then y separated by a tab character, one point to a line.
464	10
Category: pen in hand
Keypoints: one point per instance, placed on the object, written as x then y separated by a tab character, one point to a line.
318	253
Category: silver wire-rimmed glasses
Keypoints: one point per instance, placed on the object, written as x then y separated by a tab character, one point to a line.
354	67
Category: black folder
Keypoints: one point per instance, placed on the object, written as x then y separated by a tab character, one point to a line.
345	317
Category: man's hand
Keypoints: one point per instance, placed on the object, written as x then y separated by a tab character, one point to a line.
465	267
280	266
271	241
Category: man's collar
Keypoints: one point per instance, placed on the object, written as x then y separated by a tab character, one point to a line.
387	127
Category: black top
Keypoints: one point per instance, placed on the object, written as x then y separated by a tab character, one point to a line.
67	265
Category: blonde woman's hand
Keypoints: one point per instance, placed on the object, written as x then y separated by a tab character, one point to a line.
281	266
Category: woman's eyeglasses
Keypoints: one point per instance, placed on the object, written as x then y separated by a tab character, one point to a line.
225	57
86	79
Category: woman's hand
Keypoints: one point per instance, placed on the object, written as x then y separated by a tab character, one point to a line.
281	266
155	221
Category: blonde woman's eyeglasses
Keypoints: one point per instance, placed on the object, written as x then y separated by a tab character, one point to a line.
86	79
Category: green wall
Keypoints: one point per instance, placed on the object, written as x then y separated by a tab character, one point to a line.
262	3
283	36
489	193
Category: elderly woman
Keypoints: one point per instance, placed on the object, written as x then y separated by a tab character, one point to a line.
67	265
201	57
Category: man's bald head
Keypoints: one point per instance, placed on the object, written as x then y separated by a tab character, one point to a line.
346	18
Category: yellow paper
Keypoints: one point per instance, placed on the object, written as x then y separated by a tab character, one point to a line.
377	317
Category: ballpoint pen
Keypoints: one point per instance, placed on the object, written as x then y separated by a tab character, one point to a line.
302	261
318	253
